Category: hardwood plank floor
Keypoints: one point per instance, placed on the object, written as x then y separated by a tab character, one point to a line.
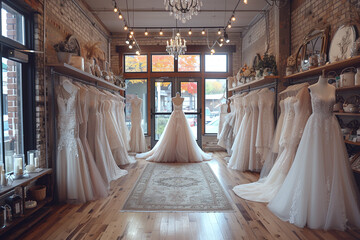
102	219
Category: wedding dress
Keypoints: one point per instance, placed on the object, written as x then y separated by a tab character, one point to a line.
73	175
223	113
241	148
226	137
265	125
319	190
100	188
122	124
137	138
255	163
176	143
238	104
297	110
98	139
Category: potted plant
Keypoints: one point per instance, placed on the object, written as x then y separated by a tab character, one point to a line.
64	51
267	65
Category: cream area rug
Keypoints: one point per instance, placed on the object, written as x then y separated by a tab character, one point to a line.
189	187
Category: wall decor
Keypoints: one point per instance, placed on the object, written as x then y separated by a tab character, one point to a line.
341	43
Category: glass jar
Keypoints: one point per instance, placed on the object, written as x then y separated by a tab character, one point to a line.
18	163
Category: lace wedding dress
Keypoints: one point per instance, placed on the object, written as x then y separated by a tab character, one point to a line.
120	105
176	143
74	183
319	190
297	111
137	138
223	113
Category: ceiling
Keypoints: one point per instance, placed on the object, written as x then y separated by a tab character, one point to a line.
151	14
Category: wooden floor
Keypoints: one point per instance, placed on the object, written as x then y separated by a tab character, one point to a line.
103	220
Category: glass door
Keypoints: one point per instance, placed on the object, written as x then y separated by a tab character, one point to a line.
162	90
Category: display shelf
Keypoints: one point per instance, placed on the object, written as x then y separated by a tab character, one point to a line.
27	213
71	71
25	181
343	89
356	170
255	83
354	61
352	143
346	114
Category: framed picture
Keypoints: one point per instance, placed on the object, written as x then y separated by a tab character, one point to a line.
341	43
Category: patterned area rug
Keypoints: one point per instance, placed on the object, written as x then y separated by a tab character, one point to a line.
190	187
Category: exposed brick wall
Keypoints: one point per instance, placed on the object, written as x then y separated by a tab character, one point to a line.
309	14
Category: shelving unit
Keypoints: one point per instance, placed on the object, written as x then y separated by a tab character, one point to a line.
352	143
346	114
69	70
23	182
255	83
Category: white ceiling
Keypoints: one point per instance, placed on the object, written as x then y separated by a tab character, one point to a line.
151	13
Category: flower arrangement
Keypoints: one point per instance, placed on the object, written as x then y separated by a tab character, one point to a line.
64	46
266	65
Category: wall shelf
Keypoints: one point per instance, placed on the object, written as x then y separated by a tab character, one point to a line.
343	89
355	61
346	114
71	71
352	143
255	83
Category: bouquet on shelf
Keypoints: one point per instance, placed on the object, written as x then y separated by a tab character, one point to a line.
266	66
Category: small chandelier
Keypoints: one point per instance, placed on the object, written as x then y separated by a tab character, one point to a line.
183	9
176	46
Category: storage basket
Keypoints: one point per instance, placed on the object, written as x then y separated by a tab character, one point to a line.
38	192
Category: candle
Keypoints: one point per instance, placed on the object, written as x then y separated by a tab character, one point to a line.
18	168
36	159
31	160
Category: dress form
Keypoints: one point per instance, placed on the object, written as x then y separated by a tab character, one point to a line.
322	87
177	100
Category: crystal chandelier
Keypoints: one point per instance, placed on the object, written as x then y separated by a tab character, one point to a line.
183	9
176	46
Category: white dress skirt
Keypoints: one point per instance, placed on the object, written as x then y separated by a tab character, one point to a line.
176	143
319	191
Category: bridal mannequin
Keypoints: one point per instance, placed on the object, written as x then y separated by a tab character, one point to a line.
322	87
177	100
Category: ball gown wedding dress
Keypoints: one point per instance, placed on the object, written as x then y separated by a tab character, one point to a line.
137	138
319	190
297	112
176	143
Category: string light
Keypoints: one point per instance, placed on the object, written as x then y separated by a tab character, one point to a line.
219	32
226	37
178	34
130	46
221	44
229	25
125	27
146	32
190	32
245	1
212	51
115	7
120	15
221	39
131	32
161	32
233	18
203	31
137	52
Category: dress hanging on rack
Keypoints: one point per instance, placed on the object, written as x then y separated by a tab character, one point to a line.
226	137
137	138
319	190
223	114
74	183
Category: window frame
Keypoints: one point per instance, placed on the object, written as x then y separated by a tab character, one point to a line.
162	54
28	77
128	54
220	53
226	91
200	63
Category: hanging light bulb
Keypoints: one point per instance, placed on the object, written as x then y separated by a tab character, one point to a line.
146	32
221	39
212	51
219	31
120	15
115	7
229	25
131	32
178	33
245	1
130	36
226	37
125	27
133	42
161	32
221	44
203	31
130	46
137	52
233	18
127	41
190	32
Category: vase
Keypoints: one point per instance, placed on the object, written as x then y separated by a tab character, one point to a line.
64	57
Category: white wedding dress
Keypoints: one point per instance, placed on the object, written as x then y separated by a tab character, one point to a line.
137	138
297	111
223	114
226	137
176	143
319	190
